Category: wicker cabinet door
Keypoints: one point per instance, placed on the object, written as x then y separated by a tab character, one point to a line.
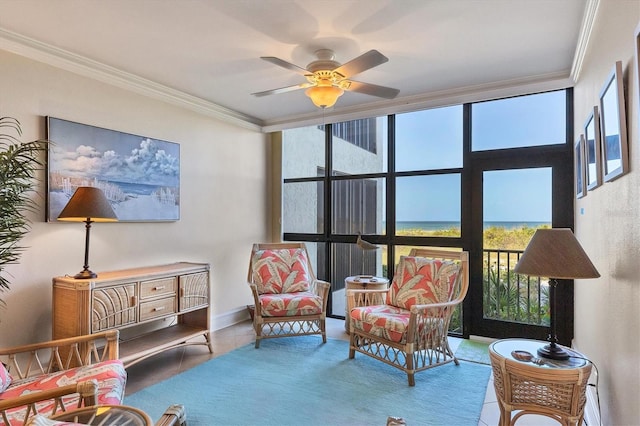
113	307
194	291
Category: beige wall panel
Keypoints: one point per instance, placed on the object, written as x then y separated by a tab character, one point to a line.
224	195
607	319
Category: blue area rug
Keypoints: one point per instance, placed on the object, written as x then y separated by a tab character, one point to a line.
300	381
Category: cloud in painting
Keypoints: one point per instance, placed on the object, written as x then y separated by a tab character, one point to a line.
147	163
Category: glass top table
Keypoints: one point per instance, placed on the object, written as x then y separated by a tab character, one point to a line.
106	415
525	350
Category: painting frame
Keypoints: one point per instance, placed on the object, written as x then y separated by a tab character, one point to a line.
593	150
578	167
139	175
613	126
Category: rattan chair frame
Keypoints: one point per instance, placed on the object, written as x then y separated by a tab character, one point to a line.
47	357
557	393
268	327
426	344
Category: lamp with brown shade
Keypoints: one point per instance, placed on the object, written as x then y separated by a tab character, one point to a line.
88	204
555	253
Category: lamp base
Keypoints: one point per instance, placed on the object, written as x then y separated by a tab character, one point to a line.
85	274
553	351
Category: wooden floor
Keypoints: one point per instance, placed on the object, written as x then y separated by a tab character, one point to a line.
170	363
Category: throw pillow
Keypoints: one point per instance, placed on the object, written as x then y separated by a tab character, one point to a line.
281	271
5	378
419	280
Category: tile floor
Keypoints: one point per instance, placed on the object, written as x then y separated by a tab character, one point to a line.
167	364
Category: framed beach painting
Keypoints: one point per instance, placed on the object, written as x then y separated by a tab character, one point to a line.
613	124
139	175
592	150
579	169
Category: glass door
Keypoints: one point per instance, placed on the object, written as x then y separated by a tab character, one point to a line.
513	204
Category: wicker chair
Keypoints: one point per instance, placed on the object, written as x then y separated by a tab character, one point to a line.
289	300
38	374
92	356
406	326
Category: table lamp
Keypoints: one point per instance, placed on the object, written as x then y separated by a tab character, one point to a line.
88	204
555	253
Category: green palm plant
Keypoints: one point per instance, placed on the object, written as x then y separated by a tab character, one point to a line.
19	163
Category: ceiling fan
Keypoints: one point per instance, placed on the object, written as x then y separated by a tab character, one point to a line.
327	79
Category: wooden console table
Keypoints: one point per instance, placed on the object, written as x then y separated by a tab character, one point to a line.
136	302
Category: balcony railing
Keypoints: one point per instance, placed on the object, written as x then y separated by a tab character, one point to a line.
508	296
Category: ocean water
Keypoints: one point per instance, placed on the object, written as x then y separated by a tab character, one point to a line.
438	225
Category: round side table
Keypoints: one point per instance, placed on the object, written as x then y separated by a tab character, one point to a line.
106	415
547	387
367	282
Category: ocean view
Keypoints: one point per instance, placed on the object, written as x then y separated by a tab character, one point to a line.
439	225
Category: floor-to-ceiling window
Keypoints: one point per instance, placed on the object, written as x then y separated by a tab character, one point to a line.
438	178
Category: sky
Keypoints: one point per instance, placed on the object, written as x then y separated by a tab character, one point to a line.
88	151
432	139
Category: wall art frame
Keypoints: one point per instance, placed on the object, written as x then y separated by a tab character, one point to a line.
139	175
579	167
613	125
593	150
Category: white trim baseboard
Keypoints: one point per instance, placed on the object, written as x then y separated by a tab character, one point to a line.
229	318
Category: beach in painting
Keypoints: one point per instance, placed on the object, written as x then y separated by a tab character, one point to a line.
131	202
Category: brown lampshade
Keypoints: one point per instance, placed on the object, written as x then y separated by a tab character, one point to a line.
88	203
555	253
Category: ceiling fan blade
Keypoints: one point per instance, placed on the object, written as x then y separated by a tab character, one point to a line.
282	89
372	89
284	64
367	60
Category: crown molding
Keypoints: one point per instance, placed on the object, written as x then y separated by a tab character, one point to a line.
588	20
60	58
457	96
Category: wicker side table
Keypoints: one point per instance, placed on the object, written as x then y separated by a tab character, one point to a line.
555	389
361	282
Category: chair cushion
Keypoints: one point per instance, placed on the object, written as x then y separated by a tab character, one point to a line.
385	321
111	377
420	281
5	378
290	304
281	271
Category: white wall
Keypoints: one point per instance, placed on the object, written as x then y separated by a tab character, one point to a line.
607	315
224	196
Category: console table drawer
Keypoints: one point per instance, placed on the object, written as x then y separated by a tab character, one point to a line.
164	286
194	291
113	307
157	308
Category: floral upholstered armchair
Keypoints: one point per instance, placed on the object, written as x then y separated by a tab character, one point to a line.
59	375
289	300
406	326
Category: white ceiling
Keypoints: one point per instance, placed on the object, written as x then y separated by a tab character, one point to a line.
205	54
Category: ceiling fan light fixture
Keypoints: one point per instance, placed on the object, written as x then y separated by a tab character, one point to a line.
324	96
327	79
